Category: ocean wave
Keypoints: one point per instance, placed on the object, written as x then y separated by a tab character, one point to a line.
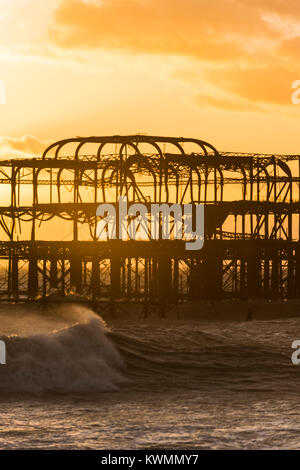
86	356
236	357
76	358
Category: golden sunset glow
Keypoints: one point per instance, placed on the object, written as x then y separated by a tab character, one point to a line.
149	230
220	71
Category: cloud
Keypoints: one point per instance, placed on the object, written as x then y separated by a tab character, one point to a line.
196	28
26	146
253	59
269	85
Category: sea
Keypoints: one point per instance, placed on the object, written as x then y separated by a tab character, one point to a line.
73	381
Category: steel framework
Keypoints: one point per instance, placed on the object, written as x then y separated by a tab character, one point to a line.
48	222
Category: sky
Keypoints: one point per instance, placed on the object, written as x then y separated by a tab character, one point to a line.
217	70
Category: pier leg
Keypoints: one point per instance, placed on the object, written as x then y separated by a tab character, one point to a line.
197	291
53	273
266	276
115	271
242	279
275	277
76	273
254	275
297	272
15	277
291	275
164	279
212	274
33	286
95	281
44	280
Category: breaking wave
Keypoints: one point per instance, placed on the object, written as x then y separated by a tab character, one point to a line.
76	358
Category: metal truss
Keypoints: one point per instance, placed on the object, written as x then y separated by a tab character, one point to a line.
48	219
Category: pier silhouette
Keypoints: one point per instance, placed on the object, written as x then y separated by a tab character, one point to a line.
252	204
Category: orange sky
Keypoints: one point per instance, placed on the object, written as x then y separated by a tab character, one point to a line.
219	70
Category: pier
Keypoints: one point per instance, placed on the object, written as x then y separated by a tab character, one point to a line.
48	222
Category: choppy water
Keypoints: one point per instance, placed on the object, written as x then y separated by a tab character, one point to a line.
77	384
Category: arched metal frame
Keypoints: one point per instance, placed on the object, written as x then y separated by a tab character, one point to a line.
252	253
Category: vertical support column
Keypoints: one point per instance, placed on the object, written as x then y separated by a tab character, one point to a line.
115	271
164	282
95	280
146	288
33	286
297	271
196	279
76	270
146	277
266	274
128	278
123	277
242	279
164	277
53	272
15	276
290	226
254	274
153	278
291	274
212	274
176	280
251	177
9	280
63	273
146	281
75	200
75	228
44	279
84	273
34	201
275	275
137	279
